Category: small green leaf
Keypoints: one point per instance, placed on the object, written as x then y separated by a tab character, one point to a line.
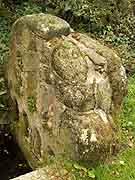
77	166
2	93
91	174
2	106
122	163
84	169
68	164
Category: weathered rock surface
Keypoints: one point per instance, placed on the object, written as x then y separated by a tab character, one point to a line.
67	88
52	172
39	174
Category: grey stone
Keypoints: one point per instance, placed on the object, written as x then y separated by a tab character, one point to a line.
39	174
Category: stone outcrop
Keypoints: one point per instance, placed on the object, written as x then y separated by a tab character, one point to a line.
67	88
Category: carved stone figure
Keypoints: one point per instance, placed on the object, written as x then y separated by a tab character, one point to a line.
70	87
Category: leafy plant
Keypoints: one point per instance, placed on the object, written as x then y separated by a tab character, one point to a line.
88	172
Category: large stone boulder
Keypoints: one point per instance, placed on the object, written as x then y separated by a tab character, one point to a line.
67	88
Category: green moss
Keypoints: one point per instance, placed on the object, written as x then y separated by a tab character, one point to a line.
31	103
67	44
51	21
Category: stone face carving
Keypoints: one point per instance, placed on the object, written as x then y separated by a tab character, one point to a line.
69	86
